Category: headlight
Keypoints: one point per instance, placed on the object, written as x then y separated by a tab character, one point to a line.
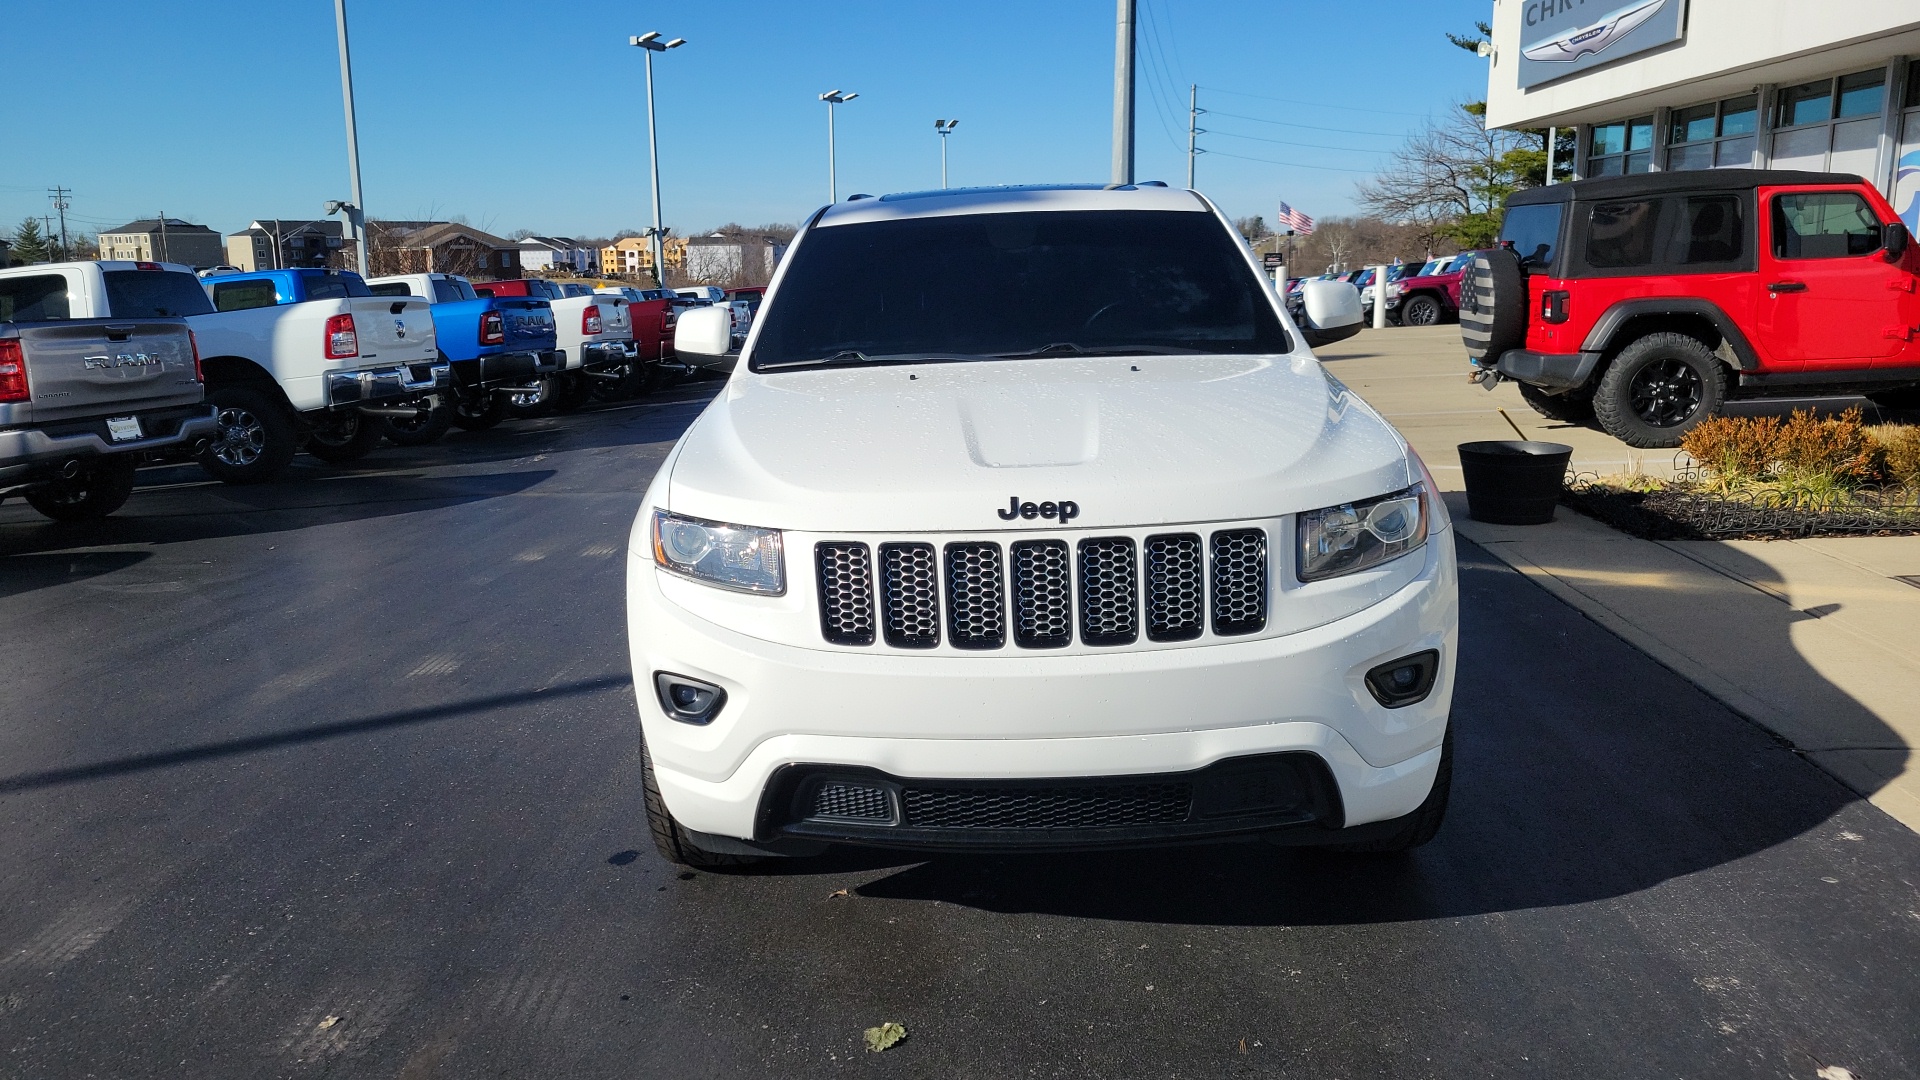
730	556
1354	536
1395	289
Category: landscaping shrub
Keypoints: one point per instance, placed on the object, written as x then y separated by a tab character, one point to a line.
1734	448
1804	450
1900	452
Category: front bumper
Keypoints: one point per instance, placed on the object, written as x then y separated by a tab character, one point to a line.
793	711
386	384
24	450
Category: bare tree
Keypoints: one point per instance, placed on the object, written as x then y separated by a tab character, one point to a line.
1453	179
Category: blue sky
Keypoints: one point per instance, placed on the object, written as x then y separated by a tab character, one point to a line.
532	114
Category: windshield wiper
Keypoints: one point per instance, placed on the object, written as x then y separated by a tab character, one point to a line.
1068	348
848	357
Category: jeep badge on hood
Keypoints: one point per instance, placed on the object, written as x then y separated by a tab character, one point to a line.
1064	510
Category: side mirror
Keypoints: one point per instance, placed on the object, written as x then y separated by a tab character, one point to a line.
1897	239
1332	311
702	333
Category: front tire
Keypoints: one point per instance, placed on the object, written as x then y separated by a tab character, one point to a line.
1659	388
103	486
1572	407
1423	824
1421	310
669	838
343	437
256	437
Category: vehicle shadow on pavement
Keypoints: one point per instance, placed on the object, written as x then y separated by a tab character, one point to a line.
1585	771
210	510
25	573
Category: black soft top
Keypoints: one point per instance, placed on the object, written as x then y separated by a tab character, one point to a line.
1641	184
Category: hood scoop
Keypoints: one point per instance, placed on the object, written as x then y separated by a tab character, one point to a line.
1039	427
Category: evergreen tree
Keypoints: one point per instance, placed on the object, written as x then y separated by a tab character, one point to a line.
28	245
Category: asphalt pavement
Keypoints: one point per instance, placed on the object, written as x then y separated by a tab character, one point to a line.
339	776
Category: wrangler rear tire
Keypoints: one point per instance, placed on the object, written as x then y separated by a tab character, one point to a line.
1659	388
1572	407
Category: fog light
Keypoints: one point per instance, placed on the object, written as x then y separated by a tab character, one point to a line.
1401	682
689	701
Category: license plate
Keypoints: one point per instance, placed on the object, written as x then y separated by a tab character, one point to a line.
122	428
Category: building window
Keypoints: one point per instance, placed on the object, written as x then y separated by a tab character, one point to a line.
1830	125
1623	147
1715	135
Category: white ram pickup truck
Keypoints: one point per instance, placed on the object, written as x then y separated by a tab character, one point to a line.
290	357
1028	520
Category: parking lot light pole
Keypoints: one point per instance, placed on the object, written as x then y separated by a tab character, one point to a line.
651	43
356	220
832	98
945	128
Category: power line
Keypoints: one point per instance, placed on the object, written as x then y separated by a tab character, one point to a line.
1289	164
1285	142
1316	104
1310	127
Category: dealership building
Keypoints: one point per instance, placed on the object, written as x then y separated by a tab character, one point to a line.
1653	85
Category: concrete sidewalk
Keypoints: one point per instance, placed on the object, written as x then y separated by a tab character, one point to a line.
1816	640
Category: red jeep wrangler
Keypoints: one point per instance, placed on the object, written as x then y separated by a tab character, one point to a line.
1647	302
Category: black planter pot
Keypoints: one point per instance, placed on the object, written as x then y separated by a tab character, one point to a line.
1510	482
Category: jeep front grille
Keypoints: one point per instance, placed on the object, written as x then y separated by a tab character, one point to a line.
1041	592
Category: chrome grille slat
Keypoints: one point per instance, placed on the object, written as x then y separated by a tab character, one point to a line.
1175	608
1239	581
909	596
846	592
1109	591
1042	595
976	595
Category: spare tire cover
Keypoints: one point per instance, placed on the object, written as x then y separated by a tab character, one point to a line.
1493	305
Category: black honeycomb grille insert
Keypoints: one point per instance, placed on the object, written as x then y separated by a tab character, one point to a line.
1042	594
846	592
1175	607
1091	806
1239	581
1109	591
976	596
909	596
861	802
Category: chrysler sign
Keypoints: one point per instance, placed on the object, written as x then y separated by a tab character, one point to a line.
1560	37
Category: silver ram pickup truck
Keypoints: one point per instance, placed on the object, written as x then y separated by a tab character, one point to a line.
82	399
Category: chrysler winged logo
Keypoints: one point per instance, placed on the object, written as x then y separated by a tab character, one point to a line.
1064	510
120	360
1595	37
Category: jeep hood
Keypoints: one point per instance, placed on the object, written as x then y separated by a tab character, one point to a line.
944	447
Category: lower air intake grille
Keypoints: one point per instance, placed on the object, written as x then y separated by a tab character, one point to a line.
863	802
976	596
1042	600
1109	593
1239	581
909	596
1093	806
846	593
1174	610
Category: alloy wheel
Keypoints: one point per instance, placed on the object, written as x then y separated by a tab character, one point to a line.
1665	393
1421	312
243	437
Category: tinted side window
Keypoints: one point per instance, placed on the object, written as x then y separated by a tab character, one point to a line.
1712	229
1823	225
391	288
1534	231
238	295
445	292
155	294
1622	233
33	299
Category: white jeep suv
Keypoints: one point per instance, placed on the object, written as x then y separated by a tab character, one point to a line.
1027	519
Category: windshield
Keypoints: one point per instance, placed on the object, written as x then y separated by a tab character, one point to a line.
1004	285
150	294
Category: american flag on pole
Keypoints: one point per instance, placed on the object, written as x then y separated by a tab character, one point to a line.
1293	219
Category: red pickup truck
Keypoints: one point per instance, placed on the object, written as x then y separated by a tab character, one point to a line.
1431	298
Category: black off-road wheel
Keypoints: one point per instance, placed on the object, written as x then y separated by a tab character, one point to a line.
478	415
1659	388
102	486
256	437
421	429
669	838
1572	407
344	436
1424	823
1421	309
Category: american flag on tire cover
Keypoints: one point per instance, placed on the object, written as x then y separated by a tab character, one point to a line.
1289	218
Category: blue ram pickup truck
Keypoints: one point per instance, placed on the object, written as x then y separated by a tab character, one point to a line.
496	346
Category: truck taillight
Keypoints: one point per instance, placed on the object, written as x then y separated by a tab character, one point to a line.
590	320
13	372
493	329
148	266
342	342
194	342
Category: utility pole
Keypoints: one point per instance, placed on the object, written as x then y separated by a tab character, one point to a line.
1123	93
832	98
59	197
357	215
657	246
945	128
163	237
1193	128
